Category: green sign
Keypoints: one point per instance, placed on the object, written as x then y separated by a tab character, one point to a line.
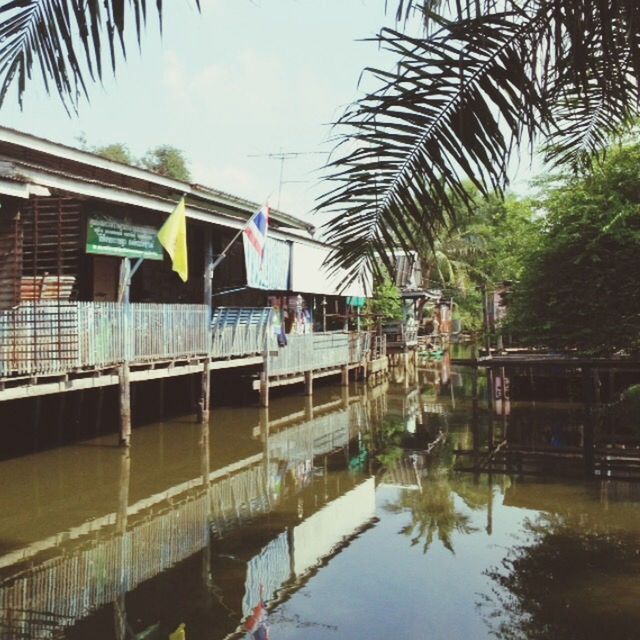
111	237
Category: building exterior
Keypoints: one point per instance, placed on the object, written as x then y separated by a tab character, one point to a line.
88	297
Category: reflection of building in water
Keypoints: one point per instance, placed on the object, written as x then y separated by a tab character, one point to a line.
104	559
293	554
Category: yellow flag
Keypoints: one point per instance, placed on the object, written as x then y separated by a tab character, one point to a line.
173	237
179	633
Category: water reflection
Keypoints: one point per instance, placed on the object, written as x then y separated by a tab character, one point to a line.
279	523
283	469
574	573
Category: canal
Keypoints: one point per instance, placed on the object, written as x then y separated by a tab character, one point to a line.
402	510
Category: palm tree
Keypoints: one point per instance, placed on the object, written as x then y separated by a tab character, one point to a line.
66	40
481	80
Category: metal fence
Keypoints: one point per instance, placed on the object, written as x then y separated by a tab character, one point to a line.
319	351
240	331
56	337
40	338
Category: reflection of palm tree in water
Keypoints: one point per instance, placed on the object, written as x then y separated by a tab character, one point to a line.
433	513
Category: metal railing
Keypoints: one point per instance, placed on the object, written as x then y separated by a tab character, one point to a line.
240	331
359	346
56	337
319	351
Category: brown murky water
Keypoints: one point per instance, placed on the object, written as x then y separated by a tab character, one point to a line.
345	517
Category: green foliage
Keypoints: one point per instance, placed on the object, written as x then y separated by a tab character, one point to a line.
118	152
167	160
579	288
386	301
485	247
484	79
164	159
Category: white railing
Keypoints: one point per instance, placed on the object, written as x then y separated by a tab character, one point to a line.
40	338
56	337
319	351
240	331
359	346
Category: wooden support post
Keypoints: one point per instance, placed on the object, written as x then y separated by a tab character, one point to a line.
77	418
205	393
125	405
161	397
308	408
612	386
485	321
99	409
204	402
36	420
344	375
264	389
345	397
61	414
308	383
119	608
588	435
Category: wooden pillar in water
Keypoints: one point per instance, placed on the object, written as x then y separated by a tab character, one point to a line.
344	375
99	409
308	383
207	290
205	392
264	382
588	391
344	396
161	396
612	386
308	408
125	404
61	415
119	608
123	371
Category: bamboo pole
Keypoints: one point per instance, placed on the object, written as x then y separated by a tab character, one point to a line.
125	405
308	383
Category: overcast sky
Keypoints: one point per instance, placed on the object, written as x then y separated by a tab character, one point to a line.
242	78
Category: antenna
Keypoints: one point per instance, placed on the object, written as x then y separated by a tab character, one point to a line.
283	156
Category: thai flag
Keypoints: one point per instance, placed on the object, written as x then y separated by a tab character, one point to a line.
256	230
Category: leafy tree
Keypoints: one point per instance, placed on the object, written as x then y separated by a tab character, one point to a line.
482	78
167	160
118	152
164	159
386	301
483	248
580	288
67	41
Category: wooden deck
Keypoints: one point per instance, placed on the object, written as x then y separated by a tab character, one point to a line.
536	360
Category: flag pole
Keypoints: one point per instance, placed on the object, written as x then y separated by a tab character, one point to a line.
223	254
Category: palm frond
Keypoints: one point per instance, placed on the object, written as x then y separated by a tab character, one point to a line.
490	75
452	108
65	40
595	100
